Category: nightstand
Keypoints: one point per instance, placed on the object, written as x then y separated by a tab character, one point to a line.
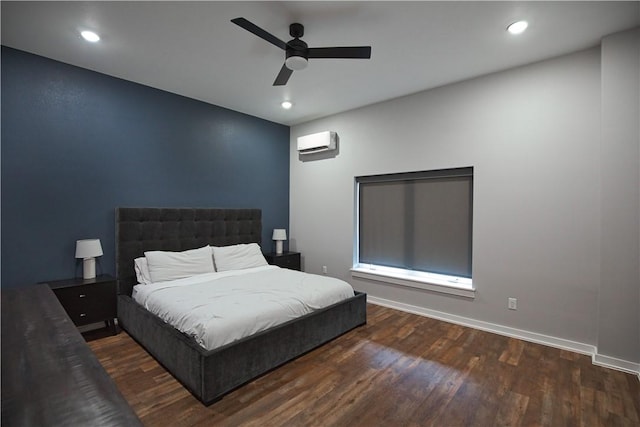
88	300
290	260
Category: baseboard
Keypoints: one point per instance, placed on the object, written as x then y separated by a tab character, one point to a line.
590	350
614	363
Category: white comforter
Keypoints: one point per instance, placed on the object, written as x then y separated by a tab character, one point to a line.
219	308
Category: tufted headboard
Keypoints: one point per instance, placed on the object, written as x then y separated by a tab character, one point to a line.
178	229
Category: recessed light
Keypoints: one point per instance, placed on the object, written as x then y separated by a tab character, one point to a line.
287	105
518	27
90	36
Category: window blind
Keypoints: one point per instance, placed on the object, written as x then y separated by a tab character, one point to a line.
417	221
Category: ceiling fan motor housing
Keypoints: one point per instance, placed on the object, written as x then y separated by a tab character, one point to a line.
296	30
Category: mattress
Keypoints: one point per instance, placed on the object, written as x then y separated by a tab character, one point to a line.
219	308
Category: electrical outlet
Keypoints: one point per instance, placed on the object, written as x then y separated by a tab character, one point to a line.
513	304
324	269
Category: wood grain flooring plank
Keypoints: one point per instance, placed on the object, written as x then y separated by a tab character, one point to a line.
435	406
511	410
399	369
513	352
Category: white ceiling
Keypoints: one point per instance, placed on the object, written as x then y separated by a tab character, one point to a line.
192	48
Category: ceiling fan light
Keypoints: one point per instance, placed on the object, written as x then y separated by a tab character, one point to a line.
518	27
90	36
296	63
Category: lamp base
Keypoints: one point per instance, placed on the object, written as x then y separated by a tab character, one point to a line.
89	268
279	247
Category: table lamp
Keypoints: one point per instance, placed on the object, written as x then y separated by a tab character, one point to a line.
279	235
88	249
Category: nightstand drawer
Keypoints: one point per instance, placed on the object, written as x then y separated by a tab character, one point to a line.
89	303
290	260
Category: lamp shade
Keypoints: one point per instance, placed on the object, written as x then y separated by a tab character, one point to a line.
279	234
88	248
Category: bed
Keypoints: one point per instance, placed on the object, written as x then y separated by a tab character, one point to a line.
210	374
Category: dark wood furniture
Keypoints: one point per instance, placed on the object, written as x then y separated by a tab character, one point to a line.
50	377
88	300
210	374
289	260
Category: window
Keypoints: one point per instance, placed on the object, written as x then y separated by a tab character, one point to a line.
415	229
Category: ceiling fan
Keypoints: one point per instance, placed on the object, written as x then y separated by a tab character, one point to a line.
297	51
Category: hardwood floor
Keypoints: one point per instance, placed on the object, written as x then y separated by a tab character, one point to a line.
398	370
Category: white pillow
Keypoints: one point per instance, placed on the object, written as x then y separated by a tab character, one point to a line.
142	270
238	257
164	266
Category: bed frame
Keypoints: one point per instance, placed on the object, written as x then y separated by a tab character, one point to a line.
210	374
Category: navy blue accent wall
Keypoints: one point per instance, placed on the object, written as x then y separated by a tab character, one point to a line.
76	144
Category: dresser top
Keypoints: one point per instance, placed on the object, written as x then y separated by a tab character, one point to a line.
50	377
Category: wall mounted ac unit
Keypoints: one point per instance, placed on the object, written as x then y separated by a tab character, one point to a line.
317	142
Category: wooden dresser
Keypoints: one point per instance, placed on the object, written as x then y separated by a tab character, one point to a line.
50	377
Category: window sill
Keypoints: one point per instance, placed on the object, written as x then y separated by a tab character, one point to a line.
434	283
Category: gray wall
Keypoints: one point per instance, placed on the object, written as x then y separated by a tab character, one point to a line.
533	136
619	320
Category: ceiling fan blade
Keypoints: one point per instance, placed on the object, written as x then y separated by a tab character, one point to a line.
283	76
355	52
253	28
